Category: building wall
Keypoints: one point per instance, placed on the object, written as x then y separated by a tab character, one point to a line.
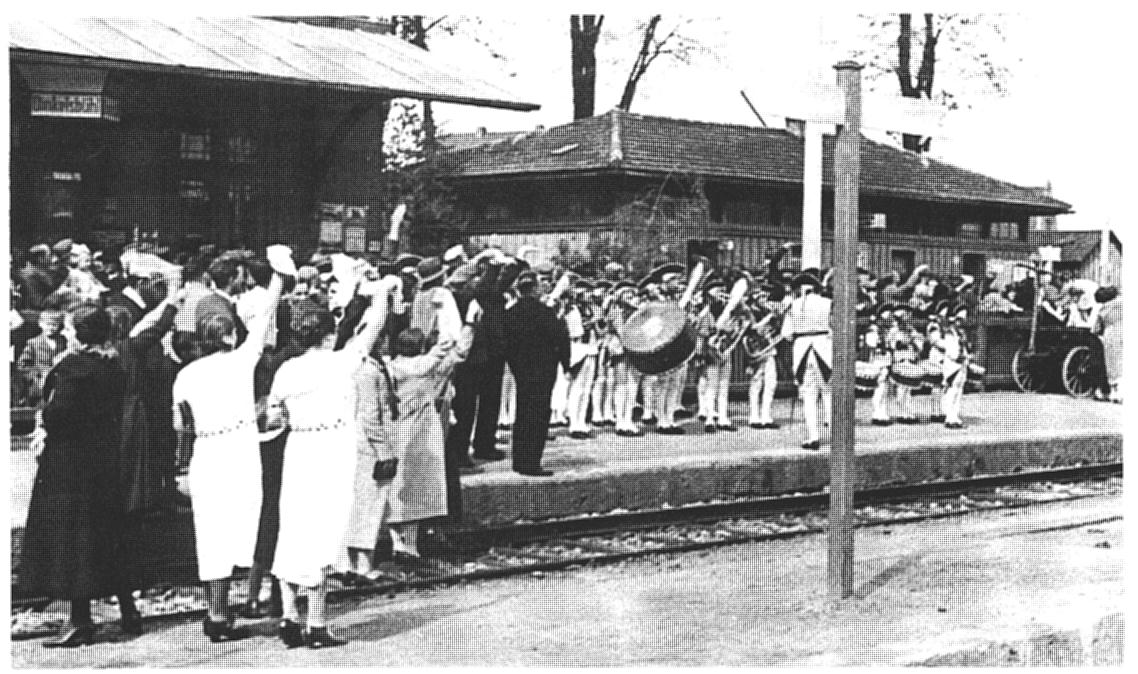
231	163
746	223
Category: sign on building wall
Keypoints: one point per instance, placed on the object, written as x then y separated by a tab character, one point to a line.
75	106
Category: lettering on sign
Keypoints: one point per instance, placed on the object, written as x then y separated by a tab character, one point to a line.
81	106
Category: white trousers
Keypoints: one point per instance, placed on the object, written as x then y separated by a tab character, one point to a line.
718	378
509	407
602	394
559	403
625	385
952	398
760	396
580	386
815	392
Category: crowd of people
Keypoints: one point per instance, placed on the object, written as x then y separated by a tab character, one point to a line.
316	409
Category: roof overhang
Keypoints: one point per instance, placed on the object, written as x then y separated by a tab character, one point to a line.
243	49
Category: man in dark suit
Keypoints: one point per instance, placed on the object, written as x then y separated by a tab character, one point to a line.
536	342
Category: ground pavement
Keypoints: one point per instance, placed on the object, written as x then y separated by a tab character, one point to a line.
1037	586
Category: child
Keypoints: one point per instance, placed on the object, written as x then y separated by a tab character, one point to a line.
42	352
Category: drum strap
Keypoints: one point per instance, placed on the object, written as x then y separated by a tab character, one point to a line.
815	333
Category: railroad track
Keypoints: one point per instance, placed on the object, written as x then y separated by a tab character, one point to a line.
551	546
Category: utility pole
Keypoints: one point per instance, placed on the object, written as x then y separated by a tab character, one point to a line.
847	176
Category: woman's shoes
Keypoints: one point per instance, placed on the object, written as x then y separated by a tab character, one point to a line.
221	631
80	635
320	637
291	634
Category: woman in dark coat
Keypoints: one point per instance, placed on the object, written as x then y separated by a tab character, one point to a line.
73	537
147	442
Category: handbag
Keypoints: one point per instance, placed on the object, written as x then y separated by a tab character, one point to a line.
384	469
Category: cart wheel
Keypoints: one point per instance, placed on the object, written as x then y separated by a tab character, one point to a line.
1078	371
1024	372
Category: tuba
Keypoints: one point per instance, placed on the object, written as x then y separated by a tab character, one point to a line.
731	327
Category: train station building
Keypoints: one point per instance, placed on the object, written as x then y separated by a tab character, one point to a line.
233	131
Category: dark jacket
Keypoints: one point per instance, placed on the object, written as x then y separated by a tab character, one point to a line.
36	283
490	332
72	545
536	341
148	441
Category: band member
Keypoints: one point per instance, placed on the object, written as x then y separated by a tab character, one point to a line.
603	406
807	322
904	342
760	347
671	384
716	376
932	360
955	365
626	378
583	349
881	358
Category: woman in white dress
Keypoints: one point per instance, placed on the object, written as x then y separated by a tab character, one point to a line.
225	470
318	391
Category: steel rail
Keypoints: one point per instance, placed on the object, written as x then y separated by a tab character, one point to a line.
488	539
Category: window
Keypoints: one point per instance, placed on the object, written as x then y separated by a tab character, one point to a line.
193	191
969	230
747	213
195	146
1004	230
903	262
240	150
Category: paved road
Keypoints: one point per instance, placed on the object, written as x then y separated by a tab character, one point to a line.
1037	586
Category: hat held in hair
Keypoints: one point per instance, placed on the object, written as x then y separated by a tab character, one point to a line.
429	269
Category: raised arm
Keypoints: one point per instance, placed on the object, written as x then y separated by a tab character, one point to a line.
280	258
375	316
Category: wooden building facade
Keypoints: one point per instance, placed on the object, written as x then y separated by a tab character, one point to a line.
233	131
560	188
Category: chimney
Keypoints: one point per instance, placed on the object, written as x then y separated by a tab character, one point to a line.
481	132
539	128
796	126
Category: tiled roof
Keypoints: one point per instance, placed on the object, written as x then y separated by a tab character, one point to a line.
640	143
247	48
453	142
1076	244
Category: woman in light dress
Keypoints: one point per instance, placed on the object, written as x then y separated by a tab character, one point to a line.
1110	328
317	389
225	470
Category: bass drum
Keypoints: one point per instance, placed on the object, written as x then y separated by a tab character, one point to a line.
909	375
658	338
934	372
866	375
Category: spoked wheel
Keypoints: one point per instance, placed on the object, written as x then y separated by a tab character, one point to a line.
1025	372
1078	372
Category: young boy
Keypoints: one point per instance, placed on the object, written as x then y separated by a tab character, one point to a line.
41	352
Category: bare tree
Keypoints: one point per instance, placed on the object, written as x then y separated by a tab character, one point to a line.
964	47
584	30
675	44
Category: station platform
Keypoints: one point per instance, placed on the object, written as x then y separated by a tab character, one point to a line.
1005	432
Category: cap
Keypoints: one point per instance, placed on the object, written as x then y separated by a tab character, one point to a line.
526	279
429	269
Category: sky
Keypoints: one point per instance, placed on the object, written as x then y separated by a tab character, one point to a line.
1064	118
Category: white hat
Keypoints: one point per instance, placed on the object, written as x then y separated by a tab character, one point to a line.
453	253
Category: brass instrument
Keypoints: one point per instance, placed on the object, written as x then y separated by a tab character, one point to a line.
702	267
730	328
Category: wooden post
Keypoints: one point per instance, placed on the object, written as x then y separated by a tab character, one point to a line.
1104	258
812	196
847	175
